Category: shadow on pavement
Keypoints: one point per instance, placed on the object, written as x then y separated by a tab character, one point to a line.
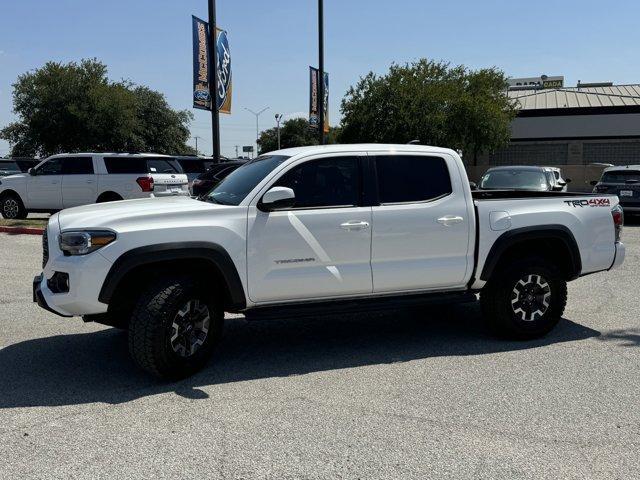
95	367
626	337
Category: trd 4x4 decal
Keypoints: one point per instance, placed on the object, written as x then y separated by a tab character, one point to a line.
592	202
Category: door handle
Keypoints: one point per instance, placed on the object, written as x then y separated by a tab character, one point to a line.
449	220
89	181
354	225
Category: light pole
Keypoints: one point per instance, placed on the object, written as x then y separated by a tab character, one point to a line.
278	119
196	137
321	69
213	81
257	114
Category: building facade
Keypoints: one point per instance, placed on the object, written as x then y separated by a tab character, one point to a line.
583	125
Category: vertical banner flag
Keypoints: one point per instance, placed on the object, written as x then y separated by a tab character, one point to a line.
202	95
314	111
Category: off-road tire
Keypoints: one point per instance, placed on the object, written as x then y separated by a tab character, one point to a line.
498	294
150	328
12	208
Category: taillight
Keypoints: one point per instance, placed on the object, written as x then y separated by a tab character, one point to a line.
146	183
618	220
600	189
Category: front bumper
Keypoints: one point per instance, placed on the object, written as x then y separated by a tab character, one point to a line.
86	274
38	297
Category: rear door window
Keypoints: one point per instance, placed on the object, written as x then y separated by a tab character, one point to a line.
77	166
411	178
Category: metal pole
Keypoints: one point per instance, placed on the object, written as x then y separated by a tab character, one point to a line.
321	69
213	81
278	118
257	114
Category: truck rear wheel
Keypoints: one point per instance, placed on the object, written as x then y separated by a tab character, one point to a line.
174	328
525	299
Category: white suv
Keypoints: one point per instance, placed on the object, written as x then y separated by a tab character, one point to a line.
69	180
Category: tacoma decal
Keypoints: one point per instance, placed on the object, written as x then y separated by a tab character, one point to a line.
295	260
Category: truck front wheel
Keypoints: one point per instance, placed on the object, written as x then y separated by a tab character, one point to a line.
524	300
174	328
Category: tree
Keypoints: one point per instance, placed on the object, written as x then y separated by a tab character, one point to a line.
432	102
294	132
75	107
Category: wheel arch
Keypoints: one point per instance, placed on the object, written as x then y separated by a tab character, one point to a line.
108	194
199	258
552	241
10	191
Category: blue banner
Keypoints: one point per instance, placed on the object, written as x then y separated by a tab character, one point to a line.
201	90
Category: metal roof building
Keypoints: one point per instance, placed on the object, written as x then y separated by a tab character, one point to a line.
590	123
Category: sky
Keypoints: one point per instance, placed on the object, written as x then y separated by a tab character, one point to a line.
273	43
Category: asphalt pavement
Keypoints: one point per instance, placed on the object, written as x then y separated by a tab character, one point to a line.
421	393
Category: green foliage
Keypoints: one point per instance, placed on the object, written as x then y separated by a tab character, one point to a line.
75	107
432	102
295	132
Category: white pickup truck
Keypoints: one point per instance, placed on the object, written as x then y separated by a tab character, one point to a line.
317	229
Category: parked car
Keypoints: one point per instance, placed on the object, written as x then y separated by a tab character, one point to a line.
559	184
522	178
623	182
322	229
214	175
68	180
12	166
193	166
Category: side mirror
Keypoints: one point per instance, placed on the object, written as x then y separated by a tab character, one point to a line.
277	198
473	185
31	171
593	183
567	180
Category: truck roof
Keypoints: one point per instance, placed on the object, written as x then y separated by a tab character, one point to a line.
359	147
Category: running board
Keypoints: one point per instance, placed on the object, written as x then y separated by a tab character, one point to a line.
355	305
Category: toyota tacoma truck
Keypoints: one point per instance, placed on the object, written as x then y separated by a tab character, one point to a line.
312	230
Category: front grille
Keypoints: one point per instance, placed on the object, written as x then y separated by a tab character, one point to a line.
45	248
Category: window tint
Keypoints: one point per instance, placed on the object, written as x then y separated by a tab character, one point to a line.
411	178
621	176
324	183
51	167
141	165
135	165
162	165
77	166
192	166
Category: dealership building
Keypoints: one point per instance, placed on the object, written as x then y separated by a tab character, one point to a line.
581	125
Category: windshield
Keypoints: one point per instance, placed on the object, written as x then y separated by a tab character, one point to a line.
514	179
234	188
621	176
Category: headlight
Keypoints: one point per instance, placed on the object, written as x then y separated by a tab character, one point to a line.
83	242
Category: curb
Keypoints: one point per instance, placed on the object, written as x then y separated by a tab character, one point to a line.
22	230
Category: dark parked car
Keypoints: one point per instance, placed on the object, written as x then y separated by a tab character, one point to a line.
521	178
624	182
213	176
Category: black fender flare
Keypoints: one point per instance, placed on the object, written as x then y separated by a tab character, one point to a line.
538	232
176	251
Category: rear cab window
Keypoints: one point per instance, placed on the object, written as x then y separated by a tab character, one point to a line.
411	178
